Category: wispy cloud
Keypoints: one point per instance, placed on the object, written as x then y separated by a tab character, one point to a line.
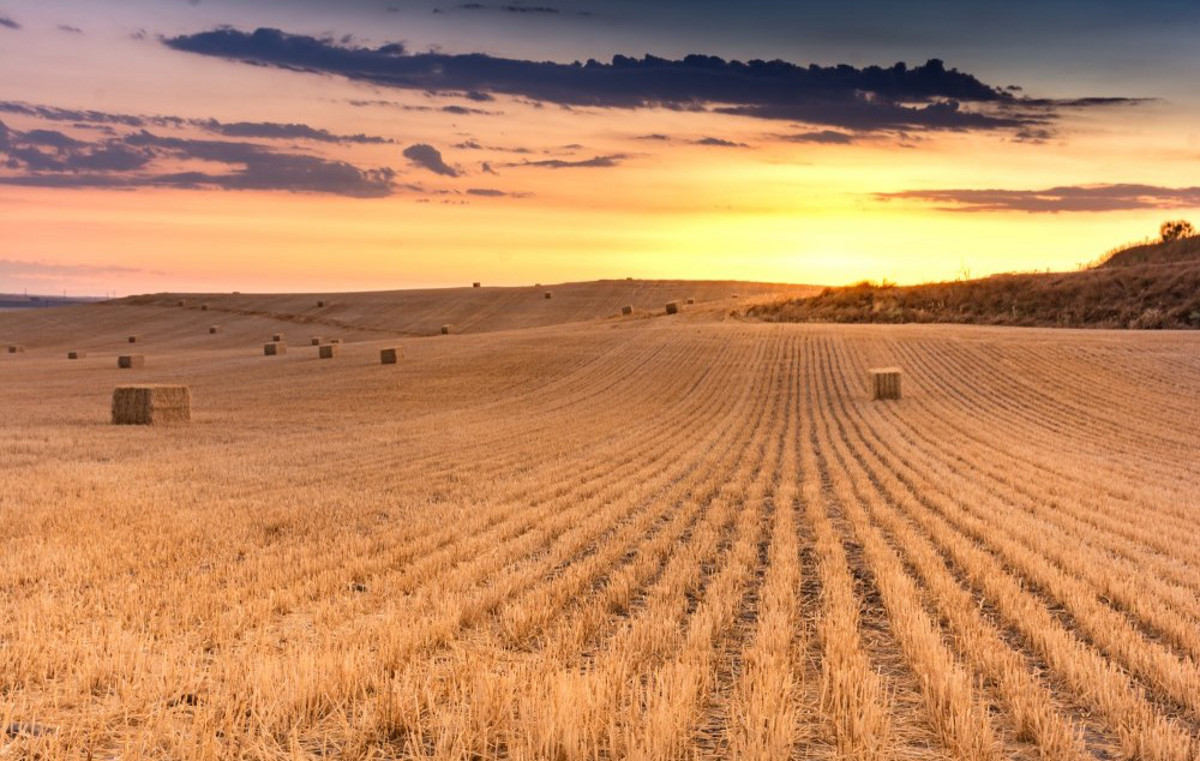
7	22
1069	198
592	163
824	136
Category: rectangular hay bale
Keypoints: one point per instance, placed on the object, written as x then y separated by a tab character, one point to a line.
549	295
76	354
277	337
131	361
316	340
885	382
627	309
133	339
476	285
151	404
691	302
390	355
672	307
446	330
214	329
16	349
329	351
274	348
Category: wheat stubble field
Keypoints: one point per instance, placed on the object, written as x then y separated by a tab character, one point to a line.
686	537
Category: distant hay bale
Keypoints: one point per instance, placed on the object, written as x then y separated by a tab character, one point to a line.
446	330
885	382
214	329
131	361
476	285
627	309
320	304
204	307
182	303
629	278
133	339
277	337
76	354
274	348
390	356
690	302
335	340
16	349
672	307
548	294
329	351
151	404
733	295
316	340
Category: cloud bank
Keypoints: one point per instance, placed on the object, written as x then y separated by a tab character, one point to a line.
926	97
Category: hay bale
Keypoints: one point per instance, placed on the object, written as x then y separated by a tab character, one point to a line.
133	339
476	285
690	302
320	304
214	329
16	349
885	382
182	303
390	355
316	340
549	295
277	337
335	340
151	404
204	307
274	348
131	361
446	330
627	309
329	351
672	307
733	295
76	354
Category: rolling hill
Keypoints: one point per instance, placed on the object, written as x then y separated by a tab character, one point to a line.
1148	286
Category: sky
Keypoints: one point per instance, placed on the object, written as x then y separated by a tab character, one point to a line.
302	145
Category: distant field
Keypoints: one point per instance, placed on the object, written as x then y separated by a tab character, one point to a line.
595	536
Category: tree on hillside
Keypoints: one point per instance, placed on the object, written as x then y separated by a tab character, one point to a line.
1176	229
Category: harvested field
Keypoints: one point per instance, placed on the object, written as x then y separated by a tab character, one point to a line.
685	538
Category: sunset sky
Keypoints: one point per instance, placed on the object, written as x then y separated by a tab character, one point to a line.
283	145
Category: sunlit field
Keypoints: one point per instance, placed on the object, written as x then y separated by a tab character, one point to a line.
563	533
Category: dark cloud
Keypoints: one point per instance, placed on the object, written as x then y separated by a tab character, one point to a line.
486	168
8	22
430	158
926	97
595	162
655	136
486	192
1080	198
720	143
824	136
70	29
46	158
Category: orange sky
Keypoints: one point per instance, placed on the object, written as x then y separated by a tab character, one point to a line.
766	209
